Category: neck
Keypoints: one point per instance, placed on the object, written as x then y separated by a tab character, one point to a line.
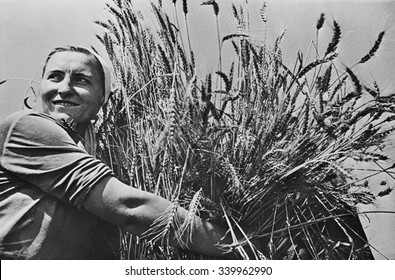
81	127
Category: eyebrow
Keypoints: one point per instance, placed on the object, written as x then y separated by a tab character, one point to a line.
73	73
55	71
83	73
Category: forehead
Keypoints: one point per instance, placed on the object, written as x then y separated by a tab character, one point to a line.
72	61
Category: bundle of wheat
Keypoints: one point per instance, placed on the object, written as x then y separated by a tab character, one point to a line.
269	152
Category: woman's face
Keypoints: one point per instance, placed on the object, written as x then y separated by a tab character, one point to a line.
71	87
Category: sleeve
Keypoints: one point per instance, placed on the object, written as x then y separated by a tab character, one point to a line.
40	152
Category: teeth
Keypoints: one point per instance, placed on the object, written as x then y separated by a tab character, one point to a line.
63	103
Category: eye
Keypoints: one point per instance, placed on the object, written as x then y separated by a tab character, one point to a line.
55	76
82	80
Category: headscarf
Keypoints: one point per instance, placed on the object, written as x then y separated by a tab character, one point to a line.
107	75
89	141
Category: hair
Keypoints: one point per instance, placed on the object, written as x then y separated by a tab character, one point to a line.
78	50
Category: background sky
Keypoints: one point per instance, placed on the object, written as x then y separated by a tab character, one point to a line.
29	29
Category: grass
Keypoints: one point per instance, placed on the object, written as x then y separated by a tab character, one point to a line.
269	147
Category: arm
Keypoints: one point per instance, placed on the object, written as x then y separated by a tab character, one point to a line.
37	150
134	211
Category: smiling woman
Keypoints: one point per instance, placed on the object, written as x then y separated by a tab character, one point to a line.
72	86
26	43
56	200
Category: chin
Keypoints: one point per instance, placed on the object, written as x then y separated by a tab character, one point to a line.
60	116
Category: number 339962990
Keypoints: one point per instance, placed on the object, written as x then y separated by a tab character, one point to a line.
234	270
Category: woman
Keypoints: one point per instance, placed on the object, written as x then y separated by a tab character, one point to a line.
56	200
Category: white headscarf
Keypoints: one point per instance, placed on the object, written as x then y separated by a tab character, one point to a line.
89	141
107	76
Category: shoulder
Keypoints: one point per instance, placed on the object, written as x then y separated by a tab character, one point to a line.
24	115
32	125
27	118
15	117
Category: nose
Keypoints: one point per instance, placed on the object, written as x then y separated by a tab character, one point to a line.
65	86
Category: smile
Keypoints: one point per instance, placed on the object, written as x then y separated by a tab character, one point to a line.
64	103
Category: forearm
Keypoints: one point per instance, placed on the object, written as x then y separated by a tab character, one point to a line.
205	237
135	211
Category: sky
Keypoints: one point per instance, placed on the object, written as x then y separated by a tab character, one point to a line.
29	29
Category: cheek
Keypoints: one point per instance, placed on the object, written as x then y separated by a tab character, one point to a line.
92	106
45	91
44	99
93	100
